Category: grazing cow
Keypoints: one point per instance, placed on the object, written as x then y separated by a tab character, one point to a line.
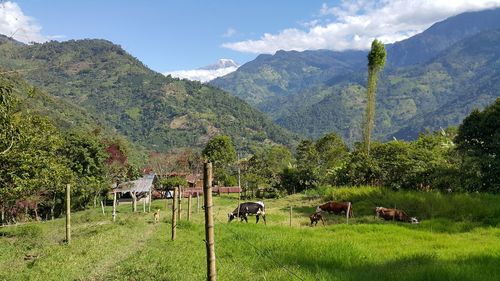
337	208
156	216
315	218
394	214
249	208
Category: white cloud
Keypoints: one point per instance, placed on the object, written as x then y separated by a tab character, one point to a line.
356	23
14	23
229	32
207	73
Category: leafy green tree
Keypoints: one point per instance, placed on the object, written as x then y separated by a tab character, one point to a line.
376	62
171	182
267	164
307	165
7	104
333	154
221	152
478	141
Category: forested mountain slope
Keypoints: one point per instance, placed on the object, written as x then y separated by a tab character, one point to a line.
148	108
432	80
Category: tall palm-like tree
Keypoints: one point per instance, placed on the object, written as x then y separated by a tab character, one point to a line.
376	62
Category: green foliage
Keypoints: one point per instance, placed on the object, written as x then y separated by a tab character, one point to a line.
376	61
221	152
267	164
171	182
315	92
377	56
150	109
478	141
44	158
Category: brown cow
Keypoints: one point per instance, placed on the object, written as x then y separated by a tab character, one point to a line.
315	218
337	208
394	214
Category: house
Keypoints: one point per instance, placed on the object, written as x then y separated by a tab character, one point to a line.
139	189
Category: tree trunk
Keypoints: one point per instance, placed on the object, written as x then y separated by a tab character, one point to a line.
36	212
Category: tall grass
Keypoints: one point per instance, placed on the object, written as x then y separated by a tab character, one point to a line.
459	211
134	248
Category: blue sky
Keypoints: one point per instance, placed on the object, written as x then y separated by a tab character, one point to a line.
168	35
187	34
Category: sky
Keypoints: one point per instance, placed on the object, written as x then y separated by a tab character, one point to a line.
180	36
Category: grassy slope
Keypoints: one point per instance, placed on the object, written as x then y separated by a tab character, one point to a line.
135	249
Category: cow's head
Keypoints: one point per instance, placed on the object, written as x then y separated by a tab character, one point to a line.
413	220
230	217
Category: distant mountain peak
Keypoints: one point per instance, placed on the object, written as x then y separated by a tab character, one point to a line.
221	63
207	73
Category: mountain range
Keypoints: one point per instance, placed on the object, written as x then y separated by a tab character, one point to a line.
431	80
120	92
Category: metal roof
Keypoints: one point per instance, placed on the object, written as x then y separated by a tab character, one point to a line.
143	184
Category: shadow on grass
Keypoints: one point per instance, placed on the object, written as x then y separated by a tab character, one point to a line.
417	267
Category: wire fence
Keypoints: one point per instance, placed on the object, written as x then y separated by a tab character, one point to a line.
262	253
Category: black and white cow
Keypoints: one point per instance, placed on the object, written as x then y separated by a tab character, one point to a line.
249	208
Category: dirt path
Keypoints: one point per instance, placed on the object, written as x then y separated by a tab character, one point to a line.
102	269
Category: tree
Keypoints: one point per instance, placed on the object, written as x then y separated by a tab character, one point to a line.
376	61
221	152
478	141
267	164
7	104
333	154
307	165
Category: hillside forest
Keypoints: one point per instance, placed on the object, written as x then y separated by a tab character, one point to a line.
38	158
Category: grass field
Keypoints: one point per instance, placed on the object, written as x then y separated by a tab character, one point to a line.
458	239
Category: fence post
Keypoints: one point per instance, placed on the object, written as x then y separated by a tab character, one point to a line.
189	207
209	221
197	202
290	215
347	213
102	207
174	215
143	205
150	199
68	214
179	211
114	206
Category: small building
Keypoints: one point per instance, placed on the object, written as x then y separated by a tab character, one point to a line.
140	189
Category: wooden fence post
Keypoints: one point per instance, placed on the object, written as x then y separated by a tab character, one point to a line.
68	214
114	206
150	199
209	221
290	215
179	211
189	207
143	205
174	215
102	208
197	202
347	213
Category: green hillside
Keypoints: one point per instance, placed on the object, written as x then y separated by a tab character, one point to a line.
315	92
150	109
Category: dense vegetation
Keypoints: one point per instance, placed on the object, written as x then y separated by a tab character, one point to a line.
451	243
41	152
158	112
433	80
447	160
